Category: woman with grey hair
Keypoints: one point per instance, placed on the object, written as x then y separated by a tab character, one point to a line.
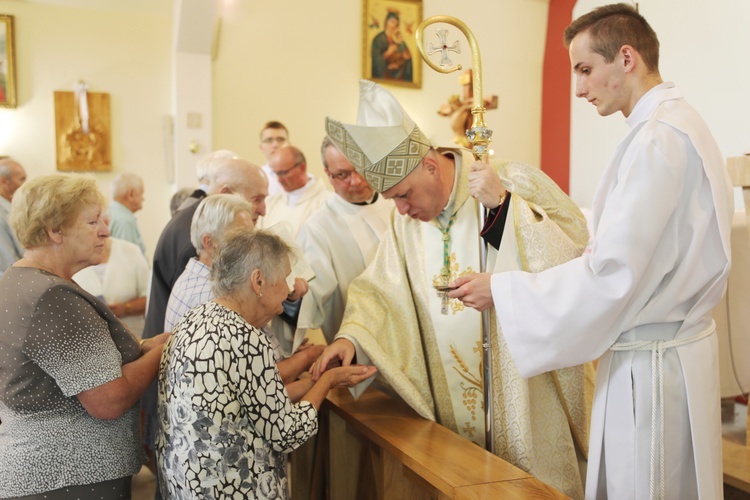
225	418
71	373
214	216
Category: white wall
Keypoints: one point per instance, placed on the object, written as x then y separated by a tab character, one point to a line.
125	54
704	50
299	64
296	62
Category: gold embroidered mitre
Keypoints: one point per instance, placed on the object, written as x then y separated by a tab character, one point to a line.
385	145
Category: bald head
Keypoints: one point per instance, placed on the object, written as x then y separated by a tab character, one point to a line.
290	167
235	175
12	176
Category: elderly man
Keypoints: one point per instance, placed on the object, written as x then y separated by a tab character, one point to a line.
12	176
302	193
427	345
127	196
338	241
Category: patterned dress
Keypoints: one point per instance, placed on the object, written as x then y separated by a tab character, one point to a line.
225	419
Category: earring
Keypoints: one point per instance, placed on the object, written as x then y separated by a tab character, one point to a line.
260	294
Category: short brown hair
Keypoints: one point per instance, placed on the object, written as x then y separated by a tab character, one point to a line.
276	125
615	25
51	202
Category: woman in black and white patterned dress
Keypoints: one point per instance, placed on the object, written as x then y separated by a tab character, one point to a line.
225	418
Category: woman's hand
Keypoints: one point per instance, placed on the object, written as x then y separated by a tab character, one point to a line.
156	342
349	376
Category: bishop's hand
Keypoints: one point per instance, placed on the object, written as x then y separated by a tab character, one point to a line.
340	352
474	290
485	185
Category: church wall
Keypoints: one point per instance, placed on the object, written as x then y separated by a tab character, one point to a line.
125	54
299	65
704	49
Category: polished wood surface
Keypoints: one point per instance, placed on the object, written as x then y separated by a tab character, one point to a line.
736	461
380	448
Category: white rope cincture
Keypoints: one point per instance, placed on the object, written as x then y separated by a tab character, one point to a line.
657	348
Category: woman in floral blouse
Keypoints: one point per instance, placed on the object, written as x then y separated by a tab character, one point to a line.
225	418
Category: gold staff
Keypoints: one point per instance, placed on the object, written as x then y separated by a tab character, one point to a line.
480	136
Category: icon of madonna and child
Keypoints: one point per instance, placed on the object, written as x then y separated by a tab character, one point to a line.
391	59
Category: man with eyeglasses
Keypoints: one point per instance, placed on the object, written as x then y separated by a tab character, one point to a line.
301	195
273	136
338	241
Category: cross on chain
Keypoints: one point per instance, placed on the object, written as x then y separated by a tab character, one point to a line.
443	48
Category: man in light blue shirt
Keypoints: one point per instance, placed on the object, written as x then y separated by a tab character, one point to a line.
127	193
12	175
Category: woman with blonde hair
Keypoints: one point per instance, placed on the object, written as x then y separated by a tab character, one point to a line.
71	373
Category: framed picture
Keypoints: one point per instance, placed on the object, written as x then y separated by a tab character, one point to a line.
7	63
389	44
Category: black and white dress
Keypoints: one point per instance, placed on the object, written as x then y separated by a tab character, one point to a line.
225	418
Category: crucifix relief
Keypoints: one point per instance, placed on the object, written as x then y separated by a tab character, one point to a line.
445	61
459	109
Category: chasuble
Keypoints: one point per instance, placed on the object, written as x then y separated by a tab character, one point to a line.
428	348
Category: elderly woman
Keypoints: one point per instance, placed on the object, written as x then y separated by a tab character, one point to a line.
215	216
225	419
70	372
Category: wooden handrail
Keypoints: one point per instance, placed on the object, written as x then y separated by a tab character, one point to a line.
404	452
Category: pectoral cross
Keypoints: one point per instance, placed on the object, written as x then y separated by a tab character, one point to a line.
443	48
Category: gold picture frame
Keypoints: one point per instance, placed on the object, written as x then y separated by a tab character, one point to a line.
7	63
389	43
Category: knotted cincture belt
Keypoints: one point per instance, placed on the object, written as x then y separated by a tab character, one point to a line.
657	348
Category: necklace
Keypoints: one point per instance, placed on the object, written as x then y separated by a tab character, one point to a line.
445	272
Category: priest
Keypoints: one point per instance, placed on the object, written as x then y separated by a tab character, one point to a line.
338	241
426	345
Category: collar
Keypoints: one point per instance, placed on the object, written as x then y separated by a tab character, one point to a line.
365	203
646	105
5	204
294	197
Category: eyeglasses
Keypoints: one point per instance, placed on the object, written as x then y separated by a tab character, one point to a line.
342	176
269	140
284	173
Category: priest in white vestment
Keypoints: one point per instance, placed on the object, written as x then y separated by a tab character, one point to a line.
338	241
640	297
425	345
302	193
